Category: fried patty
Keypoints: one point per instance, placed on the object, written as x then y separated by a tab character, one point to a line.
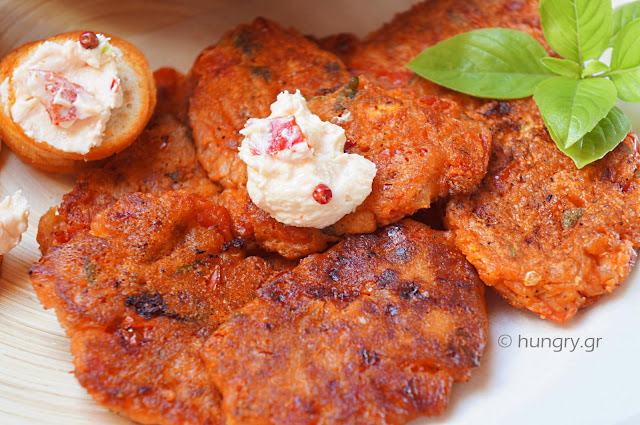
139	293
549	237
383	55
375	330
423	149
163	158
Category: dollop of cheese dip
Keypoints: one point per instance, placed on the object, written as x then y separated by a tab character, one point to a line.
14	212
293	154
64	93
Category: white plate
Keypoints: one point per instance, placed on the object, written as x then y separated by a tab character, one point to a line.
513	385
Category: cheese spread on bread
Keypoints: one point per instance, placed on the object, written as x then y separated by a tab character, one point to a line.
292	154
14	212
63	93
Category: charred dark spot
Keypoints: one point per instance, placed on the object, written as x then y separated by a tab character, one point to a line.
268	326
144	389
244	41
274	292
317	292
329	231
388	277
461	332
408	290
498	109
471	355
342	260
332	68
147	305
236	243
260	71
344	43
334	274
549	197
451	349
461	284
174	176
391	310
370	358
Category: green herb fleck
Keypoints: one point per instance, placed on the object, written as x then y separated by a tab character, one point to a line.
261	71
348	92
173	175
570	217
576	94
89	270
183	269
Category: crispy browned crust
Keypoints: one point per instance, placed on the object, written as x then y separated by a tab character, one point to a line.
139	294
123	126
513	230
163	158
424	149
239	78
383	54
375	330
343	45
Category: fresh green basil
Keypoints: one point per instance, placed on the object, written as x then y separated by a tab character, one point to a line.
625	63
594	67
576	94
571	108
562	67
609	132
622	16
577	29
495	63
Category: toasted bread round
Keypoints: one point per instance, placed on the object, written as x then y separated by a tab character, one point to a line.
124	125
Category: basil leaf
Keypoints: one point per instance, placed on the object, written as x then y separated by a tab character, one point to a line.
625	63
577	29
594	67
571	108
622	16
562	67
609	132
496	63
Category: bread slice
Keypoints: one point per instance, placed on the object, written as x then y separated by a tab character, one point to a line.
124	125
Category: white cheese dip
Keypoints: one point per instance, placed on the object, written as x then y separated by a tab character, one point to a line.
64	93
292	154
14	212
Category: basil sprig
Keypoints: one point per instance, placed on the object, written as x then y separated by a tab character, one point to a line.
576	94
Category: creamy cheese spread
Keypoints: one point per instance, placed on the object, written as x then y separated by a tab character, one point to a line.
293	157
64	93
14	212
